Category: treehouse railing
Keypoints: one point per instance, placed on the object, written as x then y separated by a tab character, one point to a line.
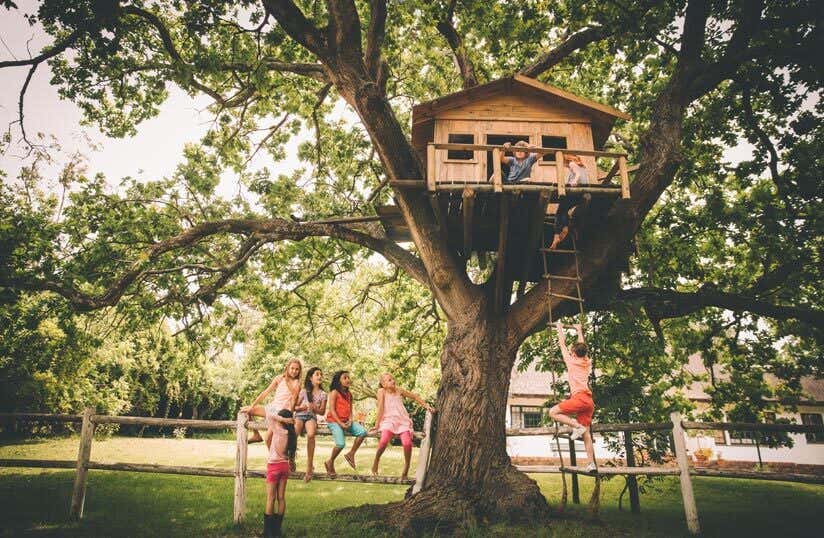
496	184
676	427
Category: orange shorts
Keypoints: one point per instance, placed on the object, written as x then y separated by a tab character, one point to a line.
581	405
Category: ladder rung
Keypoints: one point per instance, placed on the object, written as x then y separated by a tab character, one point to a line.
558	251
565	326
562	277
566	297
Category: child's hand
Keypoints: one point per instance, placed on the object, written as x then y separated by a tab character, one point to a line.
559	324
579	327
507	144
374	429
245	408
285	420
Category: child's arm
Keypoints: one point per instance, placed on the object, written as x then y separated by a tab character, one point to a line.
580	330
504	158
333	395
320	408
380	397
267	390
559	327
420	401
254	410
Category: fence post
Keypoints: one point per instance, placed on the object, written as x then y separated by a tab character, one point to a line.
240	467
632	481
690	509
576	497
83	454
423	454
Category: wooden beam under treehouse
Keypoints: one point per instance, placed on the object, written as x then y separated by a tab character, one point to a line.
500	266
468	211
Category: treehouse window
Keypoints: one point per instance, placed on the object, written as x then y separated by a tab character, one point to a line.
500	140
460	155
812	419
552	142
526	416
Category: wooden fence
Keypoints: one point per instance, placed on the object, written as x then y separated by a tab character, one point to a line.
676	427
89	420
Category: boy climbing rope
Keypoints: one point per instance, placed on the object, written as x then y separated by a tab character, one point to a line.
580	401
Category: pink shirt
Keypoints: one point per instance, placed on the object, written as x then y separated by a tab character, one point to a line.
395	417
277	450
578	369
284	398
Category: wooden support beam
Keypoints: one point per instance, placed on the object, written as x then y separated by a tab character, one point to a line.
573	461
611	173
241	440
468	211
423	454
538	150
632	482
560	171
439	207
83	454
430	167
533	236
622	166
500	266
690	508
497	180
626	471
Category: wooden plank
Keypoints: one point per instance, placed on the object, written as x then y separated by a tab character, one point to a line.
622	166
538	468
583	101
423	454
753	426
39	417
611	173
533	236
527	187
500	265
560	171
537	149
690	508
161	469
625	471
497	180
430	167
408	183
83	454
41	464
468	211
169	422
242	445
759	475
573	461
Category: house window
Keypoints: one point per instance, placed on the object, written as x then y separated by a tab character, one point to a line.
552	142
749	437
812	419
460	155
526	416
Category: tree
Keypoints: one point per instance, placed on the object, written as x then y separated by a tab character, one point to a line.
671	64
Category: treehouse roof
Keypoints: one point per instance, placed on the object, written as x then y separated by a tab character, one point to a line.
602	116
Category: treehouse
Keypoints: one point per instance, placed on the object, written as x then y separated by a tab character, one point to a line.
460	137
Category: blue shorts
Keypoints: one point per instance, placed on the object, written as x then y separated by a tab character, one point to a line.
355	430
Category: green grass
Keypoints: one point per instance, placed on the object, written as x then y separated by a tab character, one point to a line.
34	502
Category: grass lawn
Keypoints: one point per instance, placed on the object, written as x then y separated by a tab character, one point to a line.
35	502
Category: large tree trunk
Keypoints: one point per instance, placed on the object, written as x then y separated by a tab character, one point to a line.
470	479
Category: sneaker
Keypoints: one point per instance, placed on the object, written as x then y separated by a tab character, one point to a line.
577	432
591	468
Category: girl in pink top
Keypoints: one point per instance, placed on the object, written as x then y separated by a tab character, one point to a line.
580	401
393	419
287	388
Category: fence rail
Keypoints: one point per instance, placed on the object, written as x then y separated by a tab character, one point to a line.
240	472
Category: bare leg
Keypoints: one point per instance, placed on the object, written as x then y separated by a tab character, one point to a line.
311	429
588	445
378	454
269	509
558	416
330	463
407	457
282	495
355	445
256	411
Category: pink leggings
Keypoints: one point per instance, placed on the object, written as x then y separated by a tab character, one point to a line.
386	436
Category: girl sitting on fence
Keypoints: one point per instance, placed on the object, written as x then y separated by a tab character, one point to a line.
339	419
393	419
282	447
286	387
311	402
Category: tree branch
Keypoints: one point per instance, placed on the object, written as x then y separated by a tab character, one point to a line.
664	304
54	50
570	45
447	29
375	36
301	29
261	231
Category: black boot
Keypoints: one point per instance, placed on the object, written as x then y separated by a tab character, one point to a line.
268	526
277	521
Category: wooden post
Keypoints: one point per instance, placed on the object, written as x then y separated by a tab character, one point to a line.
632	481
423	454
496	170
690	509
560	170
468	210
573	462
240	467
622	167
430	167
83	454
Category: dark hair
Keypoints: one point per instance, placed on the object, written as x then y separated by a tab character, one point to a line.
292	440
335	384
580	349
307	383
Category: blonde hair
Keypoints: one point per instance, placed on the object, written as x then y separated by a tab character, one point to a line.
574	158
290	361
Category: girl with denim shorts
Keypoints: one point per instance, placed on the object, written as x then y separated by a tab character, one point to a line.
311	402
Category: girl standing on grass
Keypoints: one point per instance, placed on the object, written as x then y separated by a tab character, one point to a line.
282	446
311	402
339	419
393	419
